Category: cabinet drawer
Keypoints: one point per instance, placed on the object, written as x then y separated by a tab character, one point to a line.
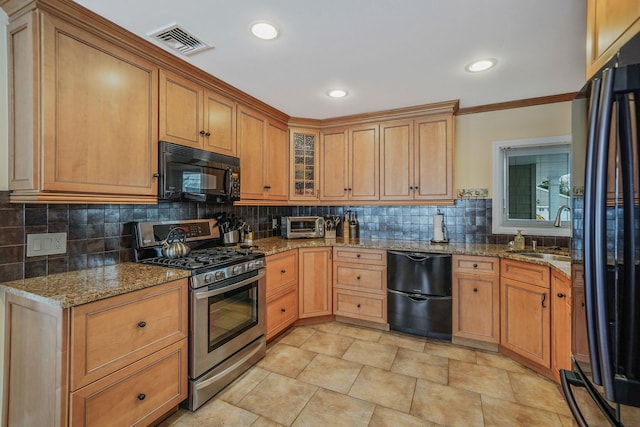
282	270
533	274
368	278
360	305
476	265
282	310
361	256
109	334
137	394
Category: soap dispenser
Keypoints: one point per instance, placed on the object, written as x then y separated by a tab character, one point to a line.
518	241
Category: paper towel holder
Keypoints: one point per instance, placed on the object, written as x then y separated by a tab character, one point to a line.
438	222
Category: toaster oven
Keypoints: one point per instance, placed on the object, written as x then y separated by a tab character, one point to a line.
298	227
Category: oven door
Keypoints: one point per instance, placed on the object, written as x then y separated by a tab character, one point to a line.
224	319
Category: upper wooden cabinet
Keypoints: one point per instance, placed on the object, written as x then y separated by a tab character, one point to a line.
304	152
195	116
349	163
83	116
416	159
610	24
264	162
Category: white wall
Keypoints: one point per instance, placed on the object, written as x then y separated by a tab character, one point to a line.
4	105
475	134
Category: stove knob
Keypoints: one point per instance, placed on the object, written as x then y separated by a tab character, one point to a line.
208	278
237	269
252	265
219	275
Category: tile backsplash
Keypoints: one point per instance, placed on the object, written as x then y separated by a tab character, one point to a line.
101	234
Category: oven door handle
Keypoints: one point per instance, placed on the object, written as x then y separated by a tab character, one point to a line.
203	295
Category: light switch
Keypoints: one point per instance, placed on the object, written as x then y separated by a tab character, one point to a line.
46	244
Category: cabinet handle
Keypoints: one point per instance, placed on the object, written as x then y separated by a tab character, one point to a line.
561	295
156	175
475	265
410	188
358	305
208	134
141	396
349	189
282	310
202	132
544	297
357	255
415	188
475	289
142	324
345	189
357	277
267	187
283	271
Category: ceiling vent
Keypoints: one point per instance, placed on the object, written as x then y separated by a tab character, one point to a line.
179	39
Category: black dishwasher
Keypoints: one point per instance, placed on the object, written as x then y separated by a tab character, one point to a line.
419	293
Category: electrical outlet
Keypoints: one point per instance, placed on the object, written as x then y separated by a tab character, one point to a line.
274	223
46	244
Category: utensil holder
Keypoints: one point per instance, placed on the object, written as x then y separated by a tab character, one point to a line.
329	234
230	238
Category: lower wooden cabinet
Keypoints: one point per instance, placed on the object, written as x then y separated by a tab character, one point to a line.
579	340
476	298
117	361
525	316
360	284
561	318
315	282
282	291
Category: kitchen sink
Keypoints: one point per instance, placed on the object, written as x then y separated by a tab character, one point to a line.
546	257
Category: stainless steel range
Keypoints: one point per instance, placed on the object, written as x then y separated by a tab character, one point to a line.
226	306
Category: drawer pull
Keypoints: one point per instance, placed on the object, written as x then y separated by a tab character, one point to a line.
358	305
142	324
283	271
544	297
357	255
282	310
357	277
141	396
475	289
561	295
475	265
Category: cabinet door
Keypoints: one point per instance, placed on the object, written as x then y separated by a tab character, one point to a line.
219	124
334	165
100	114
396	160
525	321
252	131
561	330
181	110
433	158
304	153
476	307
315	282
579	340
277	163
364	165
610	24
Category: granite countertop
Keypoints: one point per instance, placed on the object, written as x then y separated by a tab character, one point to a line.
275	245
83	286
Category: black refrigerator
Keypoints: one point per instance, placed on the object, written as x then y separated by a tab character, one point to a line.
606	120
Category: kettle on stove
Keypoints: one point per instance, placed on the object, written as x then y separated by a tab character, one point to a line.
175	246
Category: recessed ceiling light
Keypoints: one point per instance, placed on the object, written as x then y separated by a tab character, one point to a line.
337	93
264	31
481	65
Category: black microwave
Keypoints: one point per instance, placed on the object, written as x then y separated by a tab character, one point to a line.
192	174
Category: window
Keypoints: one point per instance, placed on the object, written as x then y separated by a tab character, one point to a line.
531	183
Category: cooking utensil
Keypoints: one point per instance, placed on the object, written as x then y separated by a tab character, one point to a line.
175	246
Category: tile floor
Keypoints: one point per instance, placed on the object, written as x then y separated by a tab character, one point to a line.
334	374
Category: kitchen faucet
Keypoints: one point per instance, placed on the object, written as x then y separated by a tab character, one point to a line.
556	223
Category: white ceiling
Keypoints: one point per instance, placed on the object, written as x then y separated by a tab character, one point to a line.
386	53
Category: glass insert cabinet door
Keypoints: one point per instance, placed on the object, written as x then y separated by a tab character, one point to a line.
304	164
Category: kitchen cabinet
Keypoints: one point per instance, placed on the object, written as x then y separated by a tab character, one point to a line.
315	282
476	298
83	124
525	314
304	153
561	318
120	360
349	164
282	291
579	340
195	116
416	158
264	156
360	284
610	24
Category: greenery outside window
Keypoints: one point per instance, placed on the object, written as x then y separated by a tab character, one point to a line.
531	184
